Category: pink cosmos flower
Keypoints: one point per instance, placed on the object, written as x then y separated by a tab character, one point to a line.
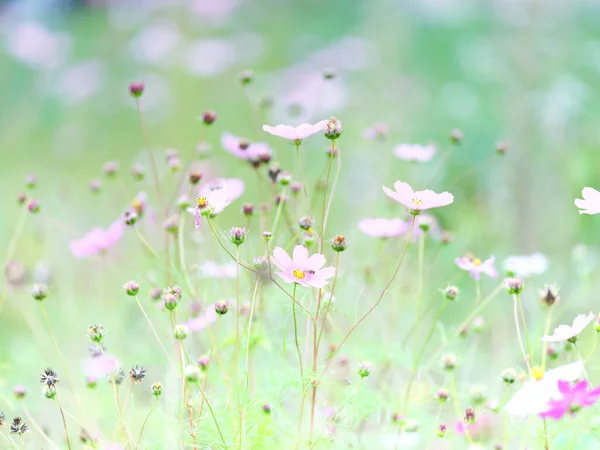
479	430
573	399
254	152
414	152
295	134
379	131
211	269
202	321
417	201
383	228
476	267
97	240
100	366
590	203
301	269
215	196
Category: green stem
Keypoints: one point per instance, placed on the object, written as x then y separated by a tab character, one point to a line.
546	330
515	308
62	414
524	327
12	246
419	288
145	421
212	413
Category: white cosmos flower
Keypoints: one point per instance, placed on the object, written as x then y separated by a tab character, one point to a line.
565	332
526	265
295	134
533	397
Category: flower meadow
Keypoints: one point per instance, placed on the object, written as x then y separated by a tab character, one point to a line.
298	259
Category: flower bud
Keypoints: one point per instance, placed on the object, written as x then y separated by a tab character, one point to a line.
136	89
95	185
30	181
180	332
339	243
549	296
509	375
246	77
364	369
39	291
157	389
267	235
478	395
514	286
451	292
195	177
502	147
138	172
33	206
21	198
130	217
329	73
183	202
170	301
478	324
175	164
95	333
155	293
110	168
19	391
295	187
203	362
332	128
449	361
209	117
442	430
551	352
192	373
305	223
49	391
442	395
284	178
237	235
469	416
266	408
411	426
131	288
456	136
221	307
248	209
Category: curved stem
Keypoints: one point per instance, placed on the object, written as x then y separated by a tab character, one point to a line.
546	331
145	421
515	308
36	426
62	414
12	246
524	326
212	413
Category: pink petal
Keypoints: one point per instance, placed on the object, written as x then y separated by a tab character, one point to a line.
315	262
300	256
281	259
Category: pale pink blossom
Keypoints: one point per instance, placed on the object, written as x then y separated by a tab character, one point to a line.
414	152
572	399
476	267
383	228
203	320
254	152
526	266
378	131
302	269
100	366
97	240
590	203
215	196
417	201
295	134
536	394
569	332
211	269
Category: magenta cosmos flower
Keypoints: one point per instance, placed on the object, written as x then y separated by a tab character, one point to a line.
97	240
417	201
295	134
302	269
590	203
383	228
476	267
414	152
574	397
253	152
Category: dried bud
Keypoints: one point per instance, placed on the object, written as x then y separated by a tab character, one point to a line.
49	377
221	307
469	416
332	128
33	206
209	117
442	395
514	286
549	296
136	89
273	171
502	148
237	235
138	172
95	333
39	291
131	288
111	168
157	389
30	181
195	177
456	136
137	374
451	292
181	332
449	361
509	376
305	223
339	243
246	77
192	373
248	209
130	217
19	392
364	369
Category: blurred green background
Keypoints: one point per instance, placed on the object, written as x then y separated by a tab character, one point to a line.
521	72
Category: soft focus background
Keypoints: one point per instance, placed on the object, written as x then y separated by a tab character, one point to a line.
521	72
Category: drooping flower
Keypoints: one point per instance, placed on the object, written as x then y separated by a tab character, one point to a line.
590	203
253	152
215	196
527	265
383	228
414	152
295	134
476	267
536	393
573	398
302	269
569	333
97	240
417	201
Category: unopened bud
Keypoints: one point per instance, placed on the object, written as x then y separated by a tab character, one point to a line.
130	217
131	288
442	429
469	416
209	117
451	292
456	136
157	389
339	243
33	206
180	332
111	168
509	376
248	209
502	148
246	77
203	362
30	181
364	369
138	172
332	128
39	291
442	395
192	373
195	177
237	235
221	307
19	391
136	89
449	361
514	286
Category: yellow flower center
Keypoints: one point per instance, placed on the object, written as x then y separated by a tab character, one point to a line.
537	373
477	261
299	274
416	201
202	202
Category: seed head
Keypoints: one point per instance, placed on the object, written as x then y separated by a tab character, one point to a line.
237	235
96	333
192	373
136	89
180	332
33	206
137	374
339	243
332	128
39	291
157	389
209	117
549	295
451	292
19	391
131	288
469	416
49	377
509	375
514	286
118	377
18	427
364	369
221	307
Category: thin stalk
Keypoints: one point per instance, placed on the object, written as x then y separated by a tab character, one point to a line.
524	326
546	331
212	413
145	421
146	243
237	344
516	316
62	414
420	288
546	442
36	426
12	246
